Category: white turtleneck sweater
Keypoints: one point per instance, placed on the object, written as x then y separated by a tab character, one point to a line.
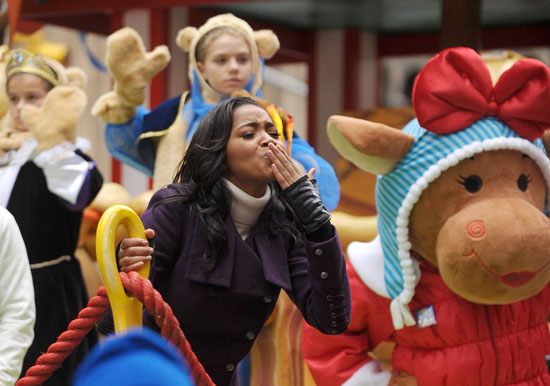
245	209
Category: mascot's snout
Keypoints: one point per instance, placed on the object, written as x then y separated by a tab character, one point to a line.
495	251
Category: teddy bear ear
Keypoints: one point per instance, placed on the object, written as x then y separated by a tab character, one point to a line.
267	43
76	77
185	37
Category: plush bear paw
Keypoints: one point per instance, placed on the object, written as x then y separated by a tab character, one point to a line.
55	121
110	108
132	66
13	141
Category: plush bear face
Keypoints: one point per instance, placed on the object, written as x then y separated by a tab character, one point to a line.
482	224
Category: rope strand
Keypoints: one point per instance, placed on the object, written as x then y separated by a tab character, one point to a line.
143	290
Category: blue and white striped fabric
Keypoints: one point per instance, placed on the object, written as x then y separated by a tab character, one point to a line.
400	189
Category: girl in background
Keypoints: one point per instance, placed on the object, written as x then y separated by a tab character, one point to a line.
47	180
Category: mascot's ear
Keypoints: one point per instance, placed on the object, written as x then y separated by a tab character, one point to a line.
267	43
76	77
185	37
371	146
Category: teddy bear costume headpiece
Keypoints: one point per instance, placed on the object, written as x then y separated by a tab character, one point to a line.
459	113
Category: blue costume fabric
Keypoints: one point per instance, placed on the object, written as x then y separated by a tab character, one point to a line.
123	143
140	357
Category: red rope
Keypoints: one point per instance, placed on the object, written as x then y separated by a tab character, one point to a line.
143	290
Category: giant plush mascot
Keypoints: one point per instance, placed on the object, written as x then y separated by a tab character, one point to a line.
458	277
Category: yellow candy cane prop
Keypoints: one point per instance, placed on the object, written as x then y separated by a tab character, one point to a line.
127	311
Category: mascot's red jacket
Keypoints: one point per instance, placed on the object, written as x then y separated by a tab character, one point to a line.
494	345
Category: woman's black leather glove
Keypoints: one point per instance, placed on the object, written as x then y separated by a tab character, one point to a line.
305	201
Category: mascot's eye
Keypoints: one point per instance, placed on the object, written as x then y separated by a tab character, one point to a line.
523	182
472	183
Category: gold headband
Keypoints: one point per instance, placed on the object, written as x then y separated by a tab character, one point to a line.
22	61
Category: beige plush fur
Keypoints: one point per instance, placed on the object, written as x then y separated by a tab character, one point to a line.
55	121
131	66
132	69
110	108
267	42
170	150
11	139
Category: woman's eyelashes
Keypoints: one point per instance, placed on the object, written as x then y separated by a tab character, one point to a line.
251	130
251	134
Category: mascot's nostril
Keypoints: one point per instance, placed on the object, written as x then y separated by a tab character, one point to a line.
476	229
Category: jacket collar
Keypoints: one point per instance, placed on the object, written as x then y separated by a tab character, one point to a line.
272	252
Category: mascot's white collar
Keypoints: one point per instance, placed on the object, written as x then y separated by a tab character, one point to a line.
368	261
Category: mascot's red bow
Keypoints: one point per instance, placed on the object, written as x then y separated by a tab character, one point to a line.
455	89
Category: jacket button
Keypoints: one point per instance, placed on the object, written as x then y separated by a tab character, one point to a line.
250	335
324	275
318	251
267	299
230	367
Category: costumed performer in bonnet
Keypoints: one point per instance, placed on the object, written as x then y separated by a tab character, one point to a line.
225	56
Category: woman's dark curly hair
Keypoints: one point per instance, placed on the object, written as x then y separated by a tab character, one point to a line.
202	170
